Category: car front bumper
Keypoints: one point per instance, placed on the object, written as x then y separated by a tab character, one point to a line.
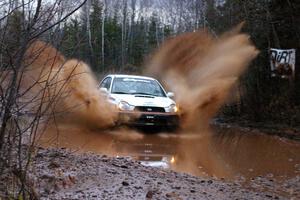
157	119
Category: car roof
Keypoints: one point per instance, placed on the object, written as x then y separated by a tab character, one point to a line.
129	76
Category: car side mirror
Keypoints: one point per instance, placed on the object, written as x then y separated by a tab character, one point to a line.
104	90
170	94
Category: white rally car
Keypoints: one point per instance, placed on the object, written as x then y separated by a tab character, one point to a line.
141	101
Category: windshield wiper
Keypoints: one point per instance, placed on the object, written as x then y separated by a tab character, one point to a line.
142	93
120	93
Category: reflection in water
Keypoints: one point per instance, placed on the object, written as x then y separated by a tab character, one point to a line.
257	154
235	154
77	139
227	155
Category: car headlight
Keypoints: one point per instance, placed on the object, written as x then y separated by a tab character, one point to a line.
123	105
172	108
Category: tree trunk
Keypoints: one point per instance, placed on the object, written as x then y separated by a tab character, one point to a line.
88	29
103	33
124	11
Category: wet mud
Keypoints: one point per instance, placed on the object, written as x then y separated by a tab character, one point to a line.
251	159
60	174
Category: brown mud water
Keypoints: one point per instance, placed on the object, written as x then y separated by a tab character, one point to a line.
223	155
251	159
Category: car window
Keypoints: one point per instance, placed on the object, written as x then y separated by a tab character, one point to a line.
106	83
137	86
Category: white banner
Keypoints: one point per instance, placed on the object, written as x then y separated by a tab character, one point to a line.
283	62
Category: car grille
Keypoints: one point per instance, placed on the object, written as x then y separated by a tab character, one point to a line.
149	109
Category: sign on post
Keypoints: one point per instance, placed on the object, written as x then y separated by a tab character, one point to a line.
283	62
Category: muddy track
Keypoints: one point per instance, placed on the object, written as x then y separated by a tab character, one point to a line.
59	174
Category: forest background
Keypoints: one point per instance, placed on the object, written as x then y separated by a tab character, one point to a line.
117	36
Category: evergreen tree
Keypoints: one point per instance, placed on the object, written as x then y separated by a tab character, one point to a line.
96	22
113	33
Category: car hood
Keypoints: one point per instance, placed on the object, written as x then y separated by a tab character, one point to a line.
143	100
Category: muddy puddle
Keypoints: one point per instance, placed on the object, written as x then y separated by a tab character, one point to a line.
229	154
202	71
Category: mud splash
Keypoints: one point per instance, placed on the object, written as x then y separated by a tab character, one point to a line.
202	70
199	68
64	89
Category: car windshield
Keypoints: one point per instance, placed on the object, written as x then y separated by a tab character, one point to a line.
137	86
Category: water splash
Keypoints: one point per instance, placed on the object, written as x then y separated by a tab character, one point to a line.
65	88
201	70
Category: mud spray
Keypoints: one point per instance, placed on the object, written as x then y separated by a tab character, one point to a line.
201	70
64	90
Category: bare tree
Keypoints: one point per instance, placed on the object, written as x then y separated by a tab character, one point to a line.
104	13
124	31
21	109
